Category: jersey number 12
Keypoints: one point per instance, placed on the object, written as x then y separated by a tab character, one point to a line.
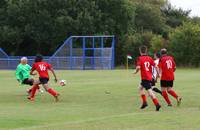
147	65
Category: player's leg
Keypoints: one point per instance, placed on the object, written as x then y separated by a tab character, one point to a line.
143	97
154	99
173	93
29	81
163	84
55	94
34	89
154	88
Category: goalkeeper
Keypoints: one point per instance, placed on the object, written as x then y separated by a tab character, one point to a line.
23	74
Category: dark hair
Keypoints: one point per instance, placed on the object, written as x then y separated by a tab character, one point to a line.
163	51
143	49
38	58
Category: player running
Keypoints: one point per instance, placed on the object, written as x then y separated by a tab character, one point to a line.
167	67
42	69
23	74
155	73
144	64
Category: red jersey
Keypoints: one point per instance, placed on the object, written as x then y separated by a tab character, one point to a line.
145	63
42	68
167	65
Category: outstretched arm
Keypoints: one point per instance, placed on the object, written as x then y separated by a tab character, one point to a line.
17	74
32	72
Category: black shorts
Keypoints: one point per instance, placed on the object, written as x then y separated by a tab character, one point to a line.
153	82
165	83
44	80
146	84
28	82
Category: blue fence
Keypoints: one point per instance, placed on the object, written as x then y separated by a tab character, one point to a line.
77	52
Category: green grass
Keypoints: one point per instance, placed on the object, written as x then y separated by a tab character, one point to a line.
85	103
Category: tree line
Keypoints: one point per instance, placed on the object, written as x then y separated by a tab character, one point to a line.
28	26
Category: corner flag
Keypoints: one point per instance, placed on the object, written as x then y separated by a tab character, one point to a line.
127	58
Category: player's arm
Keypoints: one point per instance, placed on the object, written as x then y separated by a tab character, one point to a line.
17	73
54	74
32	70
158	72
137	69
174	65
158	68
33	73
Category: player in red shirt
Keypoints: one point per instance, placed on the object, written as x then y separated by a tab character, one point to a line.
167	67
145	64
42	69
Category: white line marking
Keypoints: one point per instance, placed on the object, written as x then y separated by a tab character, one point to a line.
83	121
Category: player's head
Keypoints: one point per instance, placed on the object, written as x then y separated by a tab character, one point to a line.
163	51
24	60
143	50
38	58
157	55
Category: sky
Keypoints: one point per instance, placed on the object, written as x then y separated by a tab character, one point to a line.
193	5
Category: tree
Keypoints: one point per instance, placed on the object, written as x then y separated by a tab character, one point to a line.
149	17
174	17
184	44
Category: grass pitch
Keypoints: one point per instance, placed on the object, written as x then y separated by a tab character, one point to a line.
98	100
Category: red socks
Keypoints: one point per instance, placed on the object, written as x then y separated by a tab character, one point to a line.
171	92
52	92
33	91
144	99
155	101
164	94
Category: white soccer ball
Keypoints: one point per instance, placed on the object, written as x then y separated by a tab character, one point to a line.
62	82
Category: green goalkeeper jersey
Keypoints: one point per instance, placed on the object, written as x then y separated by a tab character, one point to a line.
22	72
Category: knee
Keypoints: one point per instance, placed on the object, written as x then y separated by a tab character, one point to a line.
169	89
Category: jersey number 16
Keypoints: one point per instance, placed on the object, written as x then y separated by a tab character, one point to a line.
42	67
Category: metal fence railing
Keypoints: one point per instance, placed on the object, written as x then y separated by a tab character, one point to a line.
77	52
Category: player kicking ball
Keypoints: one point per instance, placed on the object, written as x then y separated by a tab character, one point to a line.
144	64
23	74
42	69
167	66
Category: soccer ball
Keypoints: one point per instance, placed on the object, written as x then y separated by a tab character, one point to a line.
62	82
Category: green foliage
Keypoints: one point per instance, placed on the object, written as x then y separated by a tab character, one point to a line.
149	18
156	43
184	44
39	23
133	42
174	17
31	25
